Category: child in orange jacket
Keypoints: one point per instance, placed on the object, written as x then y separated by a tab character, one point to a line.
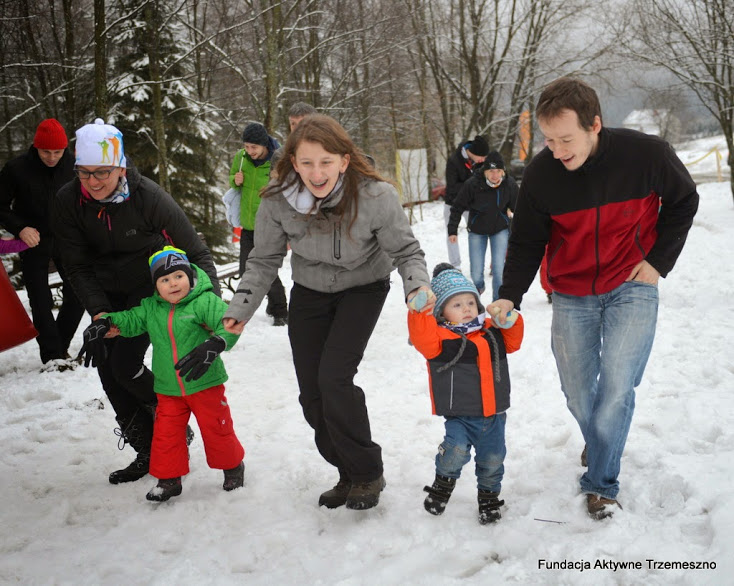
470	386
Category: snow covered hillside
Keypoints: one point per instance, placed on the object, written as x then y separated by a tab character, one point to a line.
63	523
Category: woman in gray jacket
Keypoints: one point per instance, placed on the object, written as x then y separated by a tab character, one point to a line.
347	231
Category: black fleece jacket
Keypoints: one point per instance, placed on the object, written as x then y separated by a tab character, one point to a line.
633	200
27	187
105	246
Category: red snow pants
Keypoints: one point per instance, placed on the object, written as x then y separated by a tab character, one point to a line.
169	456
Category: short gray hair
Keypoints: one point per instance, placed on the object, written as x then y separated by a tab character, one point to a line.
301	109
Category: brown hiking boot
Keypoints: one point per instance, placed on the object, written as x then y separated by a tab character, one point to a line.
337	496
365	495
600	507
583	458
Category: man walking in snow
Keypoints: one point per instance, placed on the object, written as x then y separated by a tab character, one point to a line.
614	207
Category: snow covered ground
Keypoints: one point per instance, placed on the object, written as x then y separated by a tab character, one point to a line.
63	523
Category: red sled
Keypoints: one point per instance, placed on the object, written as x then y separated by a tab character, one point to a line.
16	327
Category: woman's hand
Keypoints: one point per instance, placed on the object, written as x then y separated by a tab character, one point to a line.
233	326
421	299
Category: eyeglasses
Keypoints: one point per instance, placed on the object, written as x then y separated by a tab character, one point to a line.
99	174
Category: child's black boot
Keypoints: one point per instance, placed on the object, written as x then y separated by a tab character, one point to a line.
439	494
489	506
234	477
165	489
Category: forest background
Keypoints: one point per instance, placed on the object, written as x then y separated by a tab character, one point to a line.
181	78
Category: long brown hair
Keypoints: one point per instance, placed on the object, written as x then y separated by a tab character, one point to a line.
327	132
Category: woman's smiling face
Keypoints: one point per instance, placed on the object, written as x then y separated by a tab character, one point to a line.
318	168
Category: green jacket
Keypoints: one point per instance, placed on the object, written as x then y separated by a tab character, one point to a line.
255	178
175	330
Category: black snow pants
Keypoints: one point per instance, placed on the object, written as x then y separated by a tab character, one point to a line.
328	334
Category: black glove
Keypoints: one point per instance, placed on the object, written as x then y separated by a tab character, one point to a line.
94	348
198	361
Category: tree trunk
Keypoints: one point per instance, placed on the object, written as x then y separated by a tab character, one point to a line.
152	20
100	65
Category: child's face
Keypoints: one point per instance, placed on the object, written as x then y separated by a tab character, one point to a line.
174	286
461	308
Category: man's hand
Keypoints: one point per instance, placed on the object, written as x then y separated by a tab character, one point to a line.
499	309
644	272
453	238
197	362
239	178
30	236
94	349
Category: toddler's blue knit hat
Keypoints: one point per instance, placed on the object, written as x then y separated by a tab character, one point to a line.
448	281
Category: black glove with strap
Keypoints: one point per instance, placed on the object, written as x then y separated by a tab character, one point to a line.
94	348
197	362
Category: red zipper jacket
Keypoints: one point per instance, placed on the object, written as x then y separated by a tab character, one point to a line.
633	200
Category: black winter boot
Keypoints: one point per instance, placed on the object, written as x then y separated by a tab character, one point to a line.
439	494
234	477
489	506
138	432
165	489
337	496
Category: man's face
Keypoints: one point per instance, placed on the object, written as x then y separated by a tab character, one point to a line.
50	158
294	121
568	141
257	152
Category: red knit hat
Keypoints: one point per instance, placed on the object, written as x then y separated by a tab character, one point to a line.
50	135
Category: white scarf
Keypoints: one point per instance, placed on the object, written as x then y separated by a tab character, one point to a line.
303	201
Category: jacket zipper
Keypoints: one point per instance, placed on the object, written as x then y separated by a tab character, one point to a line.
337	240
174	349
596	250
451	395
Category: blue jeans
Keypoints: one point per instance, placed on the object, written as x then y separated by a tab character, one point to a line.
477	253
601	344
487	435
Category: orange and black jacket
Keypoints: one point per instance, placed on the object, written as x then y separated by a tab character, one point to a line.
633	200
472	386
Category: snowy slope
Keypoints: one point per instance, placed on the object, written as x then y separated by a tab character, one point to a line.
63	523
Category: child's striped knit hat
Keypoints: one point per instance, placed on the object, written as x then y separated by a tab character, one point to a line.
169	260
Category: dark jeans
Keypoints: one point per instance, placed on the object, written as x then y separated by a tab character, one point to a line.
54	334
277	303
127	382
328	334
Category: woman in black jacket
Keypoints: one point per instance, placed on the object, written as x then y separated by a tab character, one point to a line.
108	222
490	196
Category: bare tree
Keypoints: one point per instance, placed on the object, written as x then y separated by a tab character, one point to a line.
693	40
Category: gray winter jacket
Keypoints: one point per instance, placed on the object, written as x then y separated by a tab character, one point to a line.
324	256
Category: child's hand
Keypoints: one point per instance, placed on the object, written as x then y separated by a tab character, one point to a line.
113	332
501	318
197	362
94	349
421	299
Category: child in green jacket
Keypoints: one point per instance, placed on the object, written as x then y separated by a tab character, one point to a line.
184	321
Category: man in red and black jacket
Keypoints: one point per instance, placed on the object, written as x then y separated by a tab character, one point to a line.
614	207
